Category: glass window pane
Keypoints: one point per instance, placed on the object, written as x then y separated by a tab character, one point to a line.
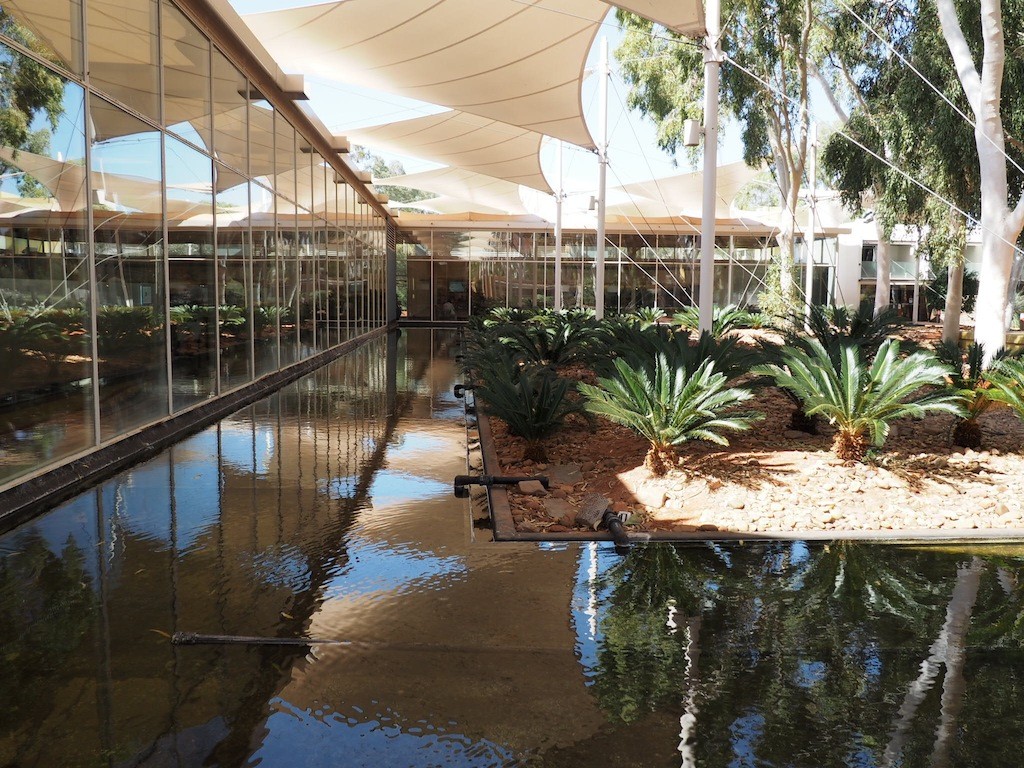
186	78
265	281
261	142
230	108
45	327
128	219
234	253
51	28
284	152
124	52
286	253
192	280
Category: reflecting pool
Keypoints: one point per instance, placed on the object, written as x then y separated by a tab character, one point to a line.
325	511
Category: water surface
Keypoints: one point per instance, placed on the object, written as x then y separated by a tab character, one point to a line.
325	511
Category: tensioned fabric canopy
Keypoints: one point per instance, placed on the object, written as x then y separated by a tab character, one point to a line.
681	195
465	141
516	61
462	190
669	199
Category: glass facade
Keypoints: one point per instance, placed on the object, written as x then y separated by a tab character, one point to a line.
166	234
451	274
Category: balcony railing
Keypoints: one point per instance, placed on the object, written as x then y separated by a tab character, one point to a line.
899	270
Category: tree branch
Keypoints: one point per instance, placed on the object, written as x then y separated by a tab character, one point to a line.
842	114
962	59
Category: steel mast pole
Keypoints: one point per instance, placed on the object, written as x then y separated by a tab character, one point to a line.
602	156
712	65
559	195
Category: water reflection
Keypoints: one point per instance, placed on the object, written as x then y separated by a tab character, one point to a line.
844	655
325	511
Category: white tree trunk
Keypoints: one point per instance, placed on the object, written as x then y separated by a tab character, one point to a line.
947	649
954	685
1000	224
954	302
883	262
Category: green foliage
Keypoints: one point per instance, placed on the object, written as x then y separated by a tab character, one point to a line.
860	399
645	317
836	328
22	332
969	378
530	399
27	89
1007	380
723	319
640	348
232	316
551	338
119	328
669	407
937	288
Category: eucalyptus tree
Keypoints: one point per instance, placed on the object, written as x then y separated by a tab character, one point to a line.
765	84
975	32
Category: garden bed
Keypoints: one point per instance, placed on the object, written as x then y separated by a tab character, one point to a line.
771	481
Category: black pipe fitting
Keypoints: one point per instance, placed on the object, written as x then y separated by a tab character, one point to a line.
617	529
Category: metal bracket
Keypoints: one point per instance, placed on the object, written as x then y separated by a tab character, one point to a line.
460	486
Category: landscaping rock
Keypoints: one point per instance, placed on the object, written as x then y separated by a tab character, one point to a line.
564	474
532	488
591	511
651	496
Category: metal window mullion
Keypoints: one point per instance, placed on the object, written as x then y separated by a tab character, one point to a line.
212	146
165	261
91	242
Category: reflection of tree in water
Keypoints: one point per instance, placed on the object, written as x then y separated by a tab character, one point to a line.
642	660
48	606
784	655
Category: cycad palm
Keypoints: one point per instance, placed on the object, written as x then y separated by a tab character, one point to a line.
669	407
860	399
723	319
1007	380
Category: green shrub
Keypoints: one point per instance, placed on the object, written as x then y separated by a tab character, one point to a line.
641	348
1007	380
531	400
669	407
723	319
861	398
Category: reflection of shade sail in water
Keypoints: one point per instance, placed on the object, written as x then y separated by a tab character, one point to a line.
388	487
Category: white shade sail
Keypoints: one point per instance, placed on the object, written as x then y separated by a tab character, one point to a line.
519	63
460	187
465	141
681	194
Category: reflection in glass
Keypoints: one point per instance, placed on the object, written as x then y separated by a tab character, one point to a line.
265	281
286	251
230	109
234	255
128	220
186	53
124	50
50	28
261	142
46	384
191	269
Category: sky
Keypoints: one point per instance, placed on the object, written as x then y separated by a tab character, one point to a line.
633	152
